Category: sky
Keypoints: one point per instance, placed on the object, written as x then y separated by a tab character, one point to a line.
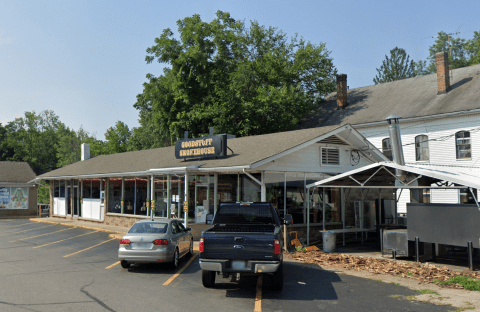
85	60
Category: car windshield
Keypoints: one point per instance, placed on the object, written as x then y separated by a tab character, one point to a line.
149	227
255	214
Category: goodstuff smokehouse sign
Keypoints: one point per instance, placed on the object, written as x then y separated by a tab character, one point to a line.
201	147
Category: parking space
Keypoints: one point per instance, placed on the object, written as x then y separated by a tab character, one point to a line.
78	269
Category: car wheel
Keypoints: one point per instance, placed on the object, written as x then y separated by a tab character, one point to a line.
208	278
125	264
190	250
277	279
175	259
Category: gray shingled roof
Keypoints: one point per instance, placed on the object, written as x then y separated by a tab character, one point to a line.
407	98
246	151
16	172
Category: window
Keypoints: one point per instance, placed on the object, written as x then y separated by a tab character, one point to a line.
462	143
387	148
330	156
421	148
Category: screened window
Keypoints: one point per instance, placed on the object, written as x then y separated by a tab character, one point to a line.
421	148
330	156
463	147
387	148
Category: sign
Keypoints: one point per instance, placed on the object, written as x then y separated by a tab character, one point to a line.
185	206
213	146
14	198
4	197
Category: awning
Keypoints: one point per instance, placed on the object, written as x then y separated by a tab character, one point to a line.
382	175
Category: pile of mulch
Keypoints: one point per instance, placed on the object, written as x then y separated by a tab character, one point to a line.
422	272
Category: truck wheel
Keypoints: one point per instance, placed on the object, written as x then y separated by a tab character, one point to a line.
208	278
277	279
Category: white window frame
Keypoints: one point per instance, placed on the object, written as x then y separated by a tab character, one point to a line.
423	146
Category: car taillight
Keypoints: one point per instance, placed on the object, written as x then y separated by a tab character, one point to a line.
125	241
201	246
160	242
277	247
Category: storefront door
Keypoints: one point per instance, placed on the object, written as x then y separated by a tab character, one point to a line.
67	201
75	201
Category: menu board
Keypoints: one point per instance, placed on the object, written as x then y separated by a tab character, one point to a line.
13	198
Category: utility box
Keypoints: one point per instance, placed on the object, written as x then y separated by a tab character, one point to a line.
397	240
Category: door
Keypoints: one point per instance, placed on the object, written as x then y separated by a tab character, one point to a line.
75	201
68	204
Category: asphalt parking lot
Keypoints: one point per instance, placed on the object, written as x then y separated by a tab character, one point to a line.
52	267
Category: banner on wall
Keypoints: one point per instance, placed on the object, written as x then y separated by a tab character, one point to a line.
4	197
14	197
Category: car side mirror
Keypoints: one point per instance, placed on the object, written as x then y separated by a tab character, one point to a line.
288	219
188	229
209	219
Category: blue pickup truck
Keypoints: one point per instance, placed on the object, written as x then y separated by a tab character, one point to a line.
246	238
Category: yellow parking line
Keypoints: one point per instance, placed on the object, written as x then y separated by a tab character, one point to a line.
181	270
62	240
258	297
16	225
111	266
17	240
27	230
89	248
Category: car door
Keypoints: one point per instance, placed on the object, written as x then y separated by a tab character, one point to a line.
184	239
177	236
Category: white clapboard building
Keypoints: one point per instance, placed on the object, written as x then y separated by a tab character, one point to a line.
440	121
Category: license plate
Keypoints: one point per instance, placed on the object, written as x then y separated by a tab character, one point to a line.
140	245
239	264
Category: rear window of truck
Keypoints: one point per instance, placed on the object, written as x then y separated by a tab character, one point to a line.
254	214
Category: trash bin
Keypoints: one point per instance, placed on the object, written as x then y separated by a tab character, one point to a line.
329	241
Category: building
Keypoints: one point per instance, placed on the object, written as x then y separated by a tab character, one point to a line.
18	195
439	127
122	188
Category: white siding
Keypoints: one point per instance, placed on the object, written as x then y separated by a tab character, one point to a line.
444	196
308	160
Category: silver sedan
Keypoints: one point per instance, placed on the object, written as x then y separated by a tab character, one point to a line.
155	241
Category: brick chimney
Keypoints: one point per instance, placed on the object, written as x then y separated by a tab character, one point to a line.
341	91
443	78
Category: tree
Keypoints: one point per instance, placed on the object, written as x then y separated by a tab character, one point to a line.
472	48
455	47
397	66
117	138
240	80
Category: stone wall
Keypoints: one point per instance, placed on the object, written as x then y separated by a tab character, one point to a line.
122	220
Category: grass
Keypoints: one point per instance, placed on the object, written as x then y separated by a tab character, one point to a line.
409	273
410	298
398	284
462	309
467	282
396	296
428	292
379	280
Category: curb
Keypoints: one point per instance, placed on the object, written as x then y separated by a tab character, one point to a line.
116	234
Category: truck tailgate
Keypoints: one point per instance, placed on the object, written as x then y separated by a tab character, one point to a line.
239	246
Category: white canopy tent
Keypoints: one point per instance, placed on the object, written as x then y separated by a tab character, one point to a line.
382	175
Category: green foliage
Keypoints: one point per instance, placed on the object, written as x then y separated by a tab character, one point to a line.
472	47
43	193
427	292
455	47
467	282
117	138
397	66
243	81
